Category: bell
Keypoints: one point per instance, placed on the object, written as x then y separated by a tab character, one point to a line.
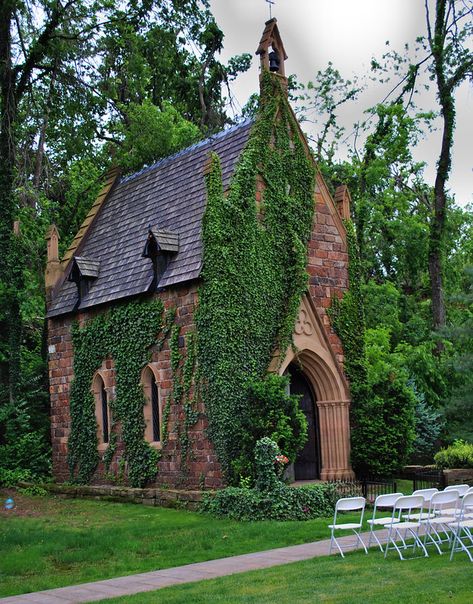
274	61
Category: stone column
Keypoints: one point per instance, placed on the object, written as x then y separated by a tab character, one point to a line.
334	427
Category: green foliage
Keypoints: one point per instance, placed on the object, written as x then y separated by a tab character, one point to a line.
252	256
287	503
382	441
271	499
125	333
27	451
387	297
459	406
33	491
184	378
10	478
274	413
383	403
266	452
429	426
458	455
152	133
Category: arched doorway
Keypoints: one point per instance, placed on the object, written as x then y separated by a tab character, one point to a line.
307	464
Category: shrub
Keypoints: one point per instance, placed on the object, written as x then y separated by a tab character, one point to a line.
283	503
28	451
266	451
271	499
33	491
10	478
274	414
429	425
458	455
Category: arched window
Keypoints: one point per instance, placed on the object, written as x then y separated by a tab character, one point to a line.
104	400
152	407
101	391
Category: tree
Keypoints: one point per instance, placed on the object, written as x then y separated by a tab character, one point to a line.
451	63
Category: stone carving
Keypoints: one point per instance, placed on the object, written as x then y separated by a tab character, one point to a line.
303	325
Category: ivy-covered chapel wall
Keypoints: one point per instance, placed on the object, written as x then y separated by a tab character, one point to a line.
200	468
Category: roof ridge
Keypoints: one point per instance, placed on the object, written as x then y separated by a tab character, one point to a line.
202	143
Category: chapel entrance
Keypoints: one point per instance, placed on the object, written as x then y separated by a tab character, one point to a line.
307	464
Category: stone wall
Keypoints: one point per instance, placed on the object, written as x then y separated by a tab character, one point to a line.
201	471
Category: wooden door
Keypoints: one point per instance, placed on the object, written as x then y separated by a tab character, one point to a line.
306	466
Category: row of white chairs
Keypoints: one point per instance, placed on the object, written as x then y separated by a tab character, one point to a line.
445	517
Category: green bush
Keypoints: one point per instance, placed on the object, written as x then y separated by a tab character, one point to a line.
10	478
266	451
283	503
271	499
274	414
27	452
33	491
458	455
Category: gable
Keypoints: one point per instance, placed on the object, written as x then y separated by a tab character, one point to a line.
311	344
169	196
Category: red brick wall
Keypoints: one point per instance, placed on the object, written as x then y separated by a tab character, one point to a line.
60	375
202	469
327	266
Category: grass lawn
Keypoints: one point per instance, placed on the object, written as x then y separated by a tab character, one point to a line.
49	542
359	579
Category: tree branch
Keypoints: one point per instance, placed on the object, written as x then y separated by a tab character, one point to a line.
39	48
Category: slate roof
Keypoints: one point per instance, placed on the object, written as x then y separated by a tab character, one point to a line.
170	196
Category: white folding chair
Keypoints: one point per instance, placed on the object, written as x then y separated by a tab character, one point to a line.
413	506
348	504
462	528
442	512
461	488
461	495
427	495
384	502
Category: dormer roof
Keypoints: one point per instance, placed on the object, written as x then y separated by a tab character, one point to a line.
83	268
166	241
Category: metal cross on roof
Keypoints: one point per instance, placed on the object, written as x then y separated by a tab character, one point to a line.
270	3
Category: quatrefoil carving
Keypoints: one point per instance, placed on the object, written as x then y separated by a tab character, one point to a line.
303	325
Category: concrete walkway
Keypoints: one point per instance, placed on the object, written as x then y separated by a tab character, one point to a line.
132	584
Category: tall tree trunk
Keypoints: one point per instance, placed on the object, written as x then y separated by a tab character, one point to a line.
10	276
42	134
437	224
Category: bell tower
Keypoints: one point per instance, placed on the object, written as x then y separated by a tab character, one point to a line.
271	51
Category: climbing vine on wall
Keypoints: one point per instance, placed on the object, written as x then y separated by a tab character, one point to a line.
184	392
254	267
125	334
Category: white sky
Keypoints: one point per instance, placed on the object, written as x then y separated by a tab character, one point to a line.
348	33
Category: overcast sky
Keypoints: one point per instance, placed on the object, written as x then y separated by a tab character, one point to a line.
348	33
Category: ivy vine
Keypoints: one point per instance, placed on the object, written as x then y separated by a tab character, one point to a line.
125	334
183	394
254	267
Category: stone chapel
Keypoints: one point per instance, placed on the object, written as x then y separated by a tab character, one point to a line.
142	239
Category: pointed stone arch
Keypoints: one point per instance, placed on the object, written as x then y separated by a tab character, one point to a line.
312	352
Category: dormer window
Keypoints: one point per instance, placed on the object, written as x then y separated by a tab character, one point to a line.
83	272
160	247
